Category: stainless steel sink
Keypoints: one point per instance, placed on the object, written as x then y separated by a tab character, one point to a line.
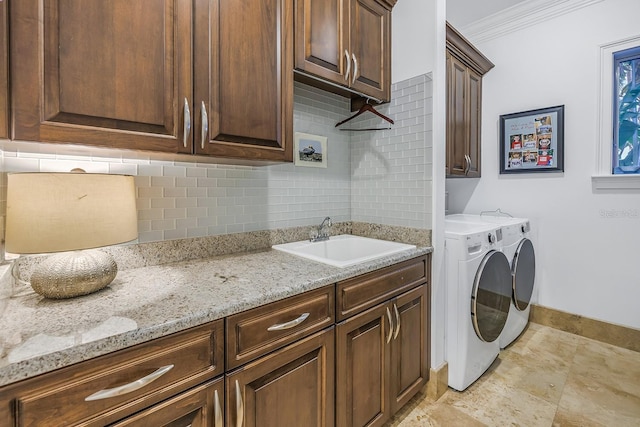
344	250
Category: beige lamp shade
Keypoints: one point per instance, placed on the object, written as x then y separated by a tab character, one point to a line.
54	212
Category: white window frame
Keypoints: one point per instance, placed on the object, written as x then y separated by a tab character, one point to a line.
604	179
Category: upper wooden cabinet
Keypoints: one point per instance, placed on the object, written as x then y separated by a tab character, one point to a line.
243	78
465	68
4	69
137	75
347	43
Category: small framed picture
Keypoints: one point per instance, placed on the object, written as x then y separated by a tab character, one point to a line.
310	150
532	141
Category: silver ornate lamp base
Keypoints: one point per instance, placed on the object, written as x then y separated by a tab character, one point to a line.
71	274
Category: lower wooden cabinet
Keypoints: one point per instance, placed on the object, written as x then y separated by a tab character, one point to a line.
409	346
288	364
293	386
198	407
109	388
382	360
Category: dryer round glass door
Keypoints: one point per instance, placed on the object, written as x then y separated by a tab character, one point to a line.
524	274
491	296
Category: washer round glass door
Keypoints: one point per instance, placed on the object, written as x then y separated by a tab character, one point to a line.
524	274
491	296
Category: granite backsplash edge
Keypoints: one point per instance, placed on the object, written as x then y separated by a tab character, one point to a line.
137	255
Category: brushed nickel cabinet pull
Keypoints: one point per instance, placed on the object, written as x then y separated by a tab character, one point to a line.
205	124
239	406
390	325
128	388
217	410
288	325
187	123
346	74
467	160
355	68
395	334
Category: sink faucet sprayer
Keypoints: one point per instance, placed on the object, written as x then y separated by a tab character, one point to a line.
322	232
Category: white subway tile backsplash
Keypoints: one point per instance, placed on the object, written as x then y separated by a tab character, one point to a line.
123	168
379	176
19	164
175	234
388	180
150	236
175	213
149	170
163	224
177	171
163	181
163	203
57	165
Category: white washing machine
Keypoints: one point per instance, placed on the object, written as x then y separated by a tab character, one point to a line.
478	283
518	249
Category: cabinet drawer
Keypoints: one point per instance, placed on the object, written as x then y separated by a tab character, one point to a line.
256	332
362	292
60	399
198	407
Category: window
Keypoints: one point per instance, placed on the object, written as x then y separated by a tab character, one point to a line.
611	157
626	108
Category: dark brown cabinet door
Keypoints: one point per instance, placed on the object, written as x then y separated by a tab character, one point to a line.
321	43
201	406
370	41
457	117
382	359
293	386
475	117
409	349
346	42
465	68
4	70
363	368
464	113
244	78
113	73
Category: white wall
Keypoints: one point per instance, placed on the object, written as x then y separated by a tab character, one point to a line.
418	41
587	259
413	38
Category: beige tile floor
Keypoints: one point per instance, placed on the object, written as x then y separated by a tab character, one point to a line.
547	378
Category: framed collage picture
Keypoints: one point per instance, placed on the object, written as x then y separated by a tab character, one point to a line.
532	141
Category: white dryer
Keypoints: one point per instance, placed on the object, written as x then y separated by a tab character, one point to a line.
518	249
478	284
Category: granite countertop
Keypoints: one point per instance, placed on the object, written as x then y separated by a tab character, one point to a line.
38	335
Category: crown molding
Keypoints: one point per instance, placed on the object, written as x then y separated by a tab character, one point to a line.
524	14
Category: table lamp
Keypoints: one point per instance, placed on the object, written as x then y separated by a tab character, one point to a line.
67	213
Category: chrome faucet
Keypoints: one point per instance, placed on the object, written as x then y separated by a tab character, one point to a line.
322	232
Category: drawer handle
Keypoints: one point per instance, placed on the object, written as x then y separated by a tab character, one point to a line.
217	409
395	334
390	326
239	406
128	388
205	125
187	123
355	68
346	73
288	325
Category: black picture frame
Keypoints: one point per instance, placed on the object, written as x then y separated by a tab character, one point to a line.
532	141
